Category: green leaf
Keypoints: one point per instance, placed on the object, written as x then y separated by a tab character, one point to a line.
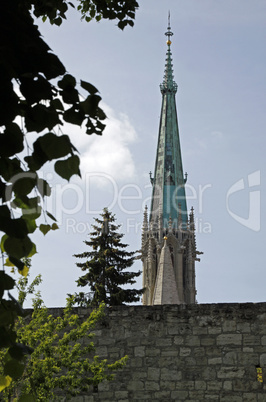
35	88
19	264
33	251
13	227
6	282
24	184
44	228
51	216
90	104
47	148
8	263
74	116
31	225
67	81
9	168
68	167
40	117
89	87
53	67
57	104
24	272
18	248
54	226
4	237
14	369
57	21
4	382
11	142
43	188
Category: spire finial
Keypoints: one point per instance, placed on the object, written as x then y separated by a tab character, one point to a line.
169	33
168	85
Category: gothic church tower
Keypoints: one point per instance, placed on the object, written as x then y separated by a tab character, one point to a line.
168	236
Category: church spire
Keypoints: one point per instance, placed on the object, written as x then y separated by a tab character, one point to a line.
168	182
169	264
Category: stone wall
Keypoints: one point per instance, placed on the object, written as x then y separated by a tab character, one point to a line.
208	352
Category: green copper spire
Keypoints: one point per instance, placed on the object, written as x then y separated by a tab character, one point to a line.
168	198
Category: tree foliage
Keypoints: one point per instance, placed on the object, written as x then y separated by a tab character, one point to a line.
38	96
106	266
61	361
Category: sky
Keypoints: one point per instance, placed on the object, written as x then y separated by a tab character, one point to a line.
219	58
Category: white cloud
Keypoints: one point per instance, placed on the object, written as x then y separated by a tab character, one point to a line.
109	153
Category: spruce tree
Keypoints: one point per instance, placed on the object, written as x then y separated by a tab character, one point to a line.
106	266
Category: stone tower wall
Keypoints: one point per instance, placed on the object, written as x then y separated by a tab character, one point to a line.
208	352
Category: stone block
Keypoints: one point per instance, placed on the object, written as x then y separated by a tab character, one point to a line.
230	372
201	385
214	386
152	386
211	397
173	330
88	398
185	351
190	361
199	331
167	385
208	374
230	358
153	374
229	339
150	352
263	360
243	327
178	340
231	398
214	330
185	385
250	397
102	351
248	359
135	362
132	342
164	342
263	340
121	394
227	385
229	326
248	349
192	340
215	360
251	340
139	396
170	352
199	352
170	375
162	395
139	374
179	395
207	341
185	329
139	351
135	385
104	386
